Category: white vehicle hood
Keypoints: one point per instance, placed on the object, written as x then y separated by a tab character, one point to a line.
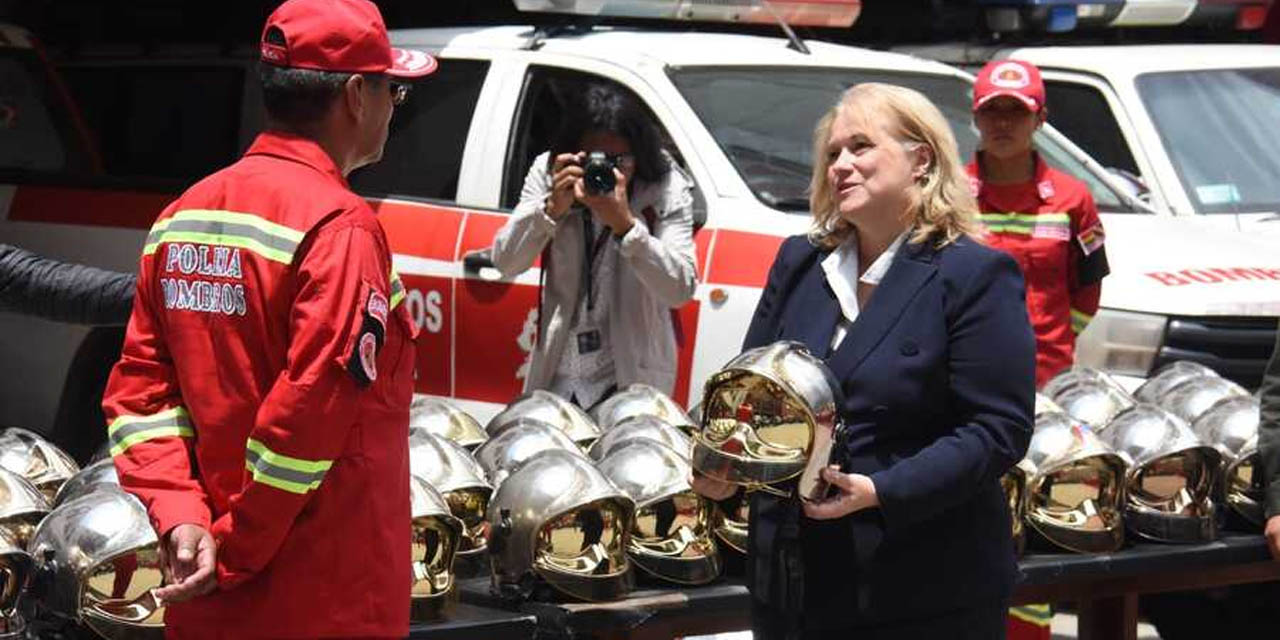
1177	266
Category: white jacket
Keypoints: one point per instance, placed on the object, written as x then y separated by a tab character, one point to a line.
655	274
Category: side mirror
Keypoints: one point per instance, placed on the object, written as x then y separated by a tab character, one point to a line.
1132	184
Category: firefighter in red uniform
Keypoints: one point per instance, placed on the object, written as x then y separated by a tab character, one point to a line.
260	406
1045	218
1047	221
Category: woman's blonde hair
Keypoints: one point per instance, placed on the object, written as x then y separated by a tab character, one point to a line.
942	206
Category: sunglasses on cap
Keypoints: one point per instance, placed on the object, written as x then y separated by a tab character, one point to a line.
399	91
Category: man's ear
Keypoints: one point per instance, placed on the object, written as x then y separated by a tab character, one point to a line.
1042	116
353	98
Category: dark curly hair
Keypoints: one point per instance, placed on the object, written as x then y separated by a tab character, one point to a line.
602	108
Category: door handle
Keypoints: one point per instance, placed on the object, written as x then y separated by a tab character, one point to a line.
474	261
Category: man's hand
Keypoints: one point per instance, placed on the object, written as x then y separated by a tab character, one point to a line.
612	209
188	556
855	492
709	488
1273	536
566	176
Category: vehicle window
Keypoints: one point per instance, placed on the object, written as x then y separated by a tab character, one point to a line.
1219	129
1082	114
546	92
763	119
36	131
149	122
423	155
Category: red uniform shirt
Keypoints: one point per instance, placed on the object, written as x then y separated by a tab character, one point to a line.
263	393
1051	227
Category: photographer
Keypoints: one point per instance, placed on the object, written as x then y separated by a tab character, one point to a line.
611	214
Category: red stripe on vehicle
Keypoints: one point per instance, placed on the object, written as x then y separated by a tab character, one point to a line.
96	207
702	244
684	358
479	231
420	230
741	258
429	300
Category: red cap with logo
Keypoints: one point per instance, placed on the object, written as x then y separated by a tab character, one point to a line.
338	35
1013	78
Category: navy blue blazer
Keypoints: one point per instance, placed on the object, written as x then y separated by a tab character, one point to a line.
938	375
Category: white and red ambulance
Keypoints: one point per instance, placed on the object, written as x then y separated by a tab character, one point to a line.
738	111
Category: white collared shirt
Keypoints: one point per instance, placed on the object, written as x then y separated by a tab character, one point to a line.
841	268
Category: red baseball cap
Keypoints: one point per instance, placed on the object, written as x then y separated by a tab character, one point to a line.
338	35
1013	78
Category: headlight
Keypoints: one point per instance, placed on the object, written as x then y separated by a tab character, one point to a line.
1121	342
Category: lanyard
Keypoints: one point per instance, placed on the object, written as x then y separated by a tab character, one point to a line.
590	252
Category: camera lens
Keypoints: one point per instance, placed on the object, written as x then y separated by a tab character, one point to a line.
598	175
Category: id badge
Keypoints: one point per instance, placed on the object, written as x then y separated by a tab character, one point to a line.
588	341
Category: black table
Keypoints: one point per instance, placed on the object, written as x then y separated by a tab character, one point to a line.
1104	586
644	614
464	621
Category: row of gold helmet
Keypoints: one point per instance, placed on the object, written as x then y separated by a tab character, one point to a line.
542	493
556	498
1159	463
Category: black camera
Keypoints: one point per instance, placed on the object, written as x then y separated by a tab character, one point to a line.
597	174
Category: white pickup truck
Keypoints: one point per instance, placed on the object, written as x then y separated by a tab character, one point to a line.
737	110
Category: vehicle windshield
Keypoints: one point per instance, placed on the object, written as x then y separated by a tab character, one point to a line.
763	119
36	135
1219	129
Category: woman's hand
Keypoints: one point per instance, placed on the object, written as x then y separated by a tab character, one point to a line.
710	488
855	492
612	209
566	176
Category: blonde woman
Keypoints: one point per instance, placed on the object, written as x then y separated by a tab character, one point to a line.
927	332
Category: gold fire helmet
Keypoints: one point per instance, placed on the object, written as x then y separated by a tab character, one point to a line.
502	454
445	419
1169	376
644	427
436	534
768	416
87	480
1191	398
551	409
22	507
36	459
1073	494
1076	374
732	526
640	399
16	567
452	471
102	560
671	535
1169	482
1231	427
1093	402
558	519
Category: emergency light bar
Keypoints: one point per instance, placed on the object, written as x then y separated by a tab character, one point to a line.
809	13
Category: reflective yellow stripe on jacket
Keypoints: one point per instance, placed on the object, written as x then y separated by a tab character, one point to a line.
294	475
1079	320
1025	223
397	288
126	431
227	229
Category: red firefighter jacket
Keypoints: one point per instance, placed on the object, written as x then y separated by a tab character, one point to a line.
263	393
1051	227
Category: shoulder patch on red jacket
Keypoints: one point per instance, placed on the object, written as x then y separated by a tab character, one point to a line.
368	335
